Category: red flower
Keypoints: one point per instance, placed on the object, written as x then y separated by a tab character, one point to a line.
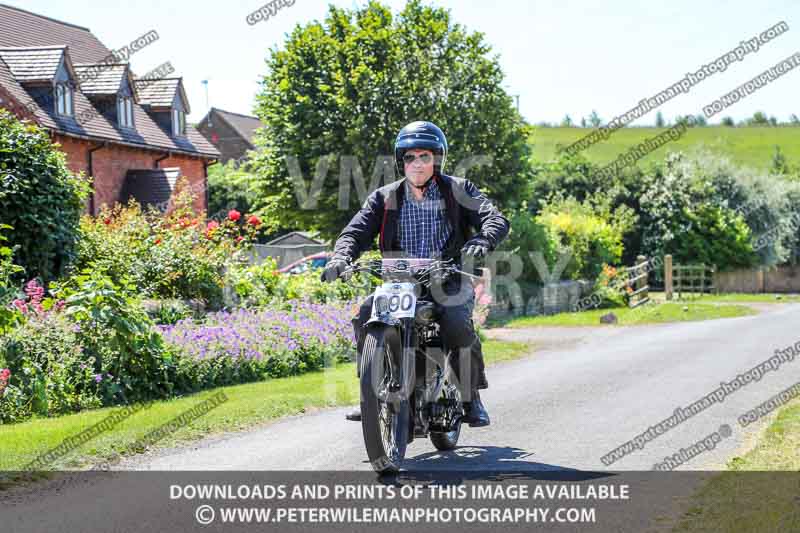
107	221
239	238
158	240
234	215
253	220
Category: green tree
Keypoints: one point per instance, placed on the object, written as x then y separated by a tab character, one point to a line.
728	122
758	119
40	198
339	91
230	186
793	120
566	122
595	119
660	120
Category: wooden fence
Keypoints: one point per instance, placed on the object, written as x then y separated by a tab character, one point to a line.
637	285
688	280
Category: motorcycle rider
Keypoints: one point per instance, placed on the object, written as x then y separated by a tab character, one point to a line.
428	214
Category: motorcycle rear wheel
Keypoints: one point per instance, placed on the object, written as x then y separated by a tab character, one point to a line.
385	417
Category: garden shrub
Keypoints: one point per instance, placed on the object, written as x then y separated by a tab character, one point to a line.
40	198
589	230
175	256
683	214
114	328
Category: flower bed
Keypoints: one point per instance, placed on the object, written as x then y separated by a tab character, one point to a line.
248	344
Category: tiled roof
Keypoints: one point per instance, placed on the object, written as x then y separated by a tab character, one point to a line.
23	28
33	64
245	125
157	93
8	82
19	28
101	79
89	122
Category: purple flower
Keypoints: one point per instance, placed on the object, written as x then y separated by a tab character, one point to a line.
98	378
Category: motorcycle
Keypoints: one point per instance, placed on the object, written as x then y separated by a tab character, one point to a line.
408	387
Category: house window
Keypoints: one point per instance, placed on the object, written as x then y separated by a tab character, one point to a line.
178	122
125	111
64	100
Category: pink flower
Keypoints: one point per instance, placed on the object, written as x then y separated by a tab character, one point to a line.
5	374
211	227
21	305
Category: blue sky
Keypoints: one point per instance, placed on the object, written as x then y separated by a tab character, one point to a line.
561	57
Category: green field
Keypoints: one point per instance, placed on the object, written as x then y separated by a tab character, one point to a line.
748	146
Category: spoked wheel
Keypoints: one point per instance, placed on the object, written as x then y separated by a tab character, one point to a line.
384	405
449	440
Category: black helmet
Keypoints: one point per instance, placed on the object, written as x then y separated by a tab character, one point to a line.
424	136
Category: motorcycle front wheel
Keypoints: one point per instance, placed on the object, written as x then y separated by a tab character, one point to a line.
385	415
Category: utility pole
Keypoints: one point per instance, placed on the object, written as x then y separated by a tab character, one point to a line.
208	109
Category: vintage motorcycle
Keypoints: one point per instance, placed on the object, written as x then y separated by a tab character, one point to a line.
408	386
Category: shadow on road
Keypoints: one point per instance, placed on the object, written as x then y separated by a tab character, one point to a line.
492	463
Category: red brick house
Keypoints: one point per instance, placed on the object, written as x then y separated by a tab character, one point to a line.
232	133
129	133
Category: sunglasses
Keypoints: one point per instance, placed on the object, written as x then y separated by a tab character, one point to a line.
424	158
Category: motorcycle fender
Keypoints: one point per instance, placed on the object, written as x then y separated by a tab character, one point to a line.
386	320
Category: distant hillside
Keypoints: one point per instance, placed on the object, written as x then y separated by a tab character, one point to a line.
751	146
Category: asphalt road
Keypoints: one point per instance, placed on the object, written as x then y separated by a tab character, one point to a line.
562	408
555	413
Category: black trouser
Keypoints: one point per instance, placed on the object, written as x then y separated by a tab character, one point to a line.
456	302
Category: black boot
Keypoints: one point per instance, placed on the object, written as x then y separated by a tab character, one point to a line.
354	416
475	413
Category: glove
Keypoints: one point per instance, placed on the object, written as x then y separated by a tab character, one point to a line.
476	247
334	269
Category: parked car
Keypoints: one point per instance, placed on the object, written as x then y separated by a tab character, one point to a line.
318	260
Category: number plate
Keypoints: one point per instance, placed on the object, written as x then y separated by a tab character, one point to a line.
402	302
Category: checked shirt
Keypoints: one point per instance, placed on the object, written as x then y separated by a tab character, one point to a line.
424	228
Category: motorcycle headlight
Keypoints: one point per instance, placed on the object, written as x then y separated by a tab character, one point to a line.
382	305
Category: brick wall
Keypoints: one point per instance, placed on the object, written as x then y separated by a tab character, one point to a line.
111	163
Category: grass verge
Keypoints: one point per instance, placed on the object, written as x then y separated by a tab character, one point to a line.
759	500
647	314
734	298
247	405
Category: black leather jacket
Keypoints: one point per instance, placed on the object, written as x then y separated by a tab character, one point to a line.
470	214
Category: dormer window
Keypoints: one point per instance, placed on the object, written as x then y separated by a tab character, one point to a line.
125	111
178	123
64	100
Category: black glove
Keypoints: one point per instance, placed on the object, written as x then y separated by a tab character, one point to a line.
476	247
334	269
